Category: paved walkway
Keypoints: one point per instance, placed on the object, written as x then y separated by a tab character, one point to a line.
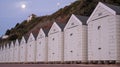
58	65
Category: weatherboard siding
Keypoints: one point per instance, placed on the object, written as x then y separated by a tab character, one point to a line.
0	55
84	43
41	49
3	56
31	43
103	39
55	45
102	36
11	52
97	41
75	40
16	52
118	37
75	45
23	50
72	44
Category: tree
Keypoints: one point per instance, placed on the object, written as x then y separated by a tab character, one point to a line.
7	32
13	37
17	25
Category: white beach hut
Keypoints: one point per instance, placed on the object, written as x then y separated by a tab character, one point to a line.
55	43
23	49
11	58
16	51
41	46
31	48
7	53
75	39
103	34
0	54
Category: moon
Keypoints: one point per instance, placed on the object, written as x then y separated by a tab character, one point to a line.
23	6
58	4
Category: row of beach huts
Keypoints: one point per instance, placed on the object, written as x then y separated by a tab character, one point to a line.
94	39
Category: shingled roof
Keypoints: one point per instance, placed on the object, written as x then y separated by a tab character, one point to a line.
26	37
35	35
46	31
19	40
83	19
115	8
61	25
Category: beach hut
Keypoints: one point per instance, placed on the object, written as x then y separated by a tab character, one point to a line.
23	49
55	43
31	44
75	39
103	34
41	46
16	51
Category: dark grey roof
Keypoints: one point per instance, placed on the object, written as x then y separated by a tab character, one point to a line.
4	44
83	19
19	40
14	42
0	45
35	35
46	31
61	25
115	8
26	38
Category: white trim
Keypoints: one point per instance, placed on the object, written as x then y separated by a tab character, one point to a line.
16	42
105	7
31	36
40	32
23	39
54	24
7	45
70	21
12	44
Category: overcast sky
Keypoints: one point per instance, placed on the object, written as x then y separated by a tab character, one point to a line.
15	11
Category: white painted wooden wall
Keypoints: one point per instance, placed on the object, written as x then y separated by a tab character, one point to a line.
55	47
41	47
0	55
31	48
75	40
23	48
16	52
11	51
102	39
55	44
8	53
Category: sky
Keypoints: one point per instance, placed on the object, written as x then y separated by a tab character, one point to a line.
16	11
